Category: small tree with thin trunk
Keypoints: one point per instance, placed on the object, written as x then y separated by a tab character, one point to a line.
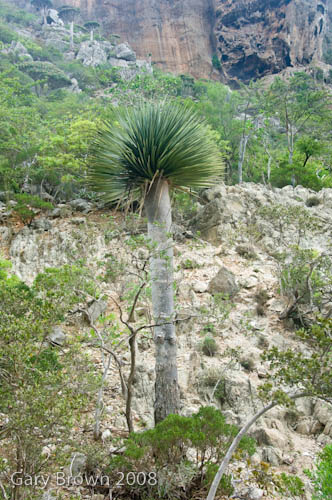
68	14
156	147
306	373
43	6
91	26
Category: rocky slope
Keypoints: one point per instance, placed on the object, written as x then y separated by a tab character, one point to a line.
230	220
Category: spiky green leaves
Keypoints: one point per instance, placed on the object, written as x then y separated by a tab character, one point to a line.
154	140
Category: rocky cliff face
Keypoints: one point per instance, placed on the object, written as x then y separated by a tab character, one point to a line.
177	33
256	38
252	38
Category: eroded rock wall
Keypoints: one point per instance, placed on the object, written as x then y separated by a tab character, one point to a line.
252	38
256	38
177	33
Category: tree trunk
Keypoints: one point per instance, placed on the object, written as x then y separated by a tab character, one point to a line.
71	35
158	209
243	148
91	36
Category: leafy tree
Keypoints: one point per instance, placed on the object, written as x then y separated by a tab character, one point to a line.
33	375
68	14
91	26
42	5
167	450
248	111
155	148
301	107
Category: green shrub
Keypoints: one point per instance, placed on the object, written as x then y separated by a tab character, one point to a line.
28	206
86	76
209	346
6	34
11	14
306	275
289	486
321	476
215	380
166	452
46	72
32	378
312	201
216	62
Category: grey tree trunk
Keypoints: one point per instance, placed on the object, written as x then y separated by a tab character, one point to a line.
72	35
158	209
242	153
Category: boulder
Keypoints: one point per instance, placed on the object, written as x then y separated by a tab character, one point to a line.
270	437
57	336
254	493
224	282
60	212
209	216
123	51
271	456
41	224
75	89
53	17
323	412
91	53
6	234
56	41
77	464
118	63
96	309
18	49
81	205
144	66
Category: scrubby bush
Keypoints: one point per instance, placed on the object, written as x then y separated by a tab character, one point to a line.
321	476
216	62
6	34
29	206
44	71
42	390
312	201
209	346
179	454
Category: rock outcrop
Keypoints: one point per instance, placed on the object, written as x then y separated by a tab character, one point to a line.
257	38
177	33
250	38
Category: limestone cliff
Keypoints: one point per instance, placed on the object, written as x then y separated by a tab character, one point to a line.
252	38
177	33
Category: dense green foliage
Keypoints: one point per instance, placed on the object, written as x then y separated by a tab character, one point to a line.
279	134
181	453
308	372
321	476
32	375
